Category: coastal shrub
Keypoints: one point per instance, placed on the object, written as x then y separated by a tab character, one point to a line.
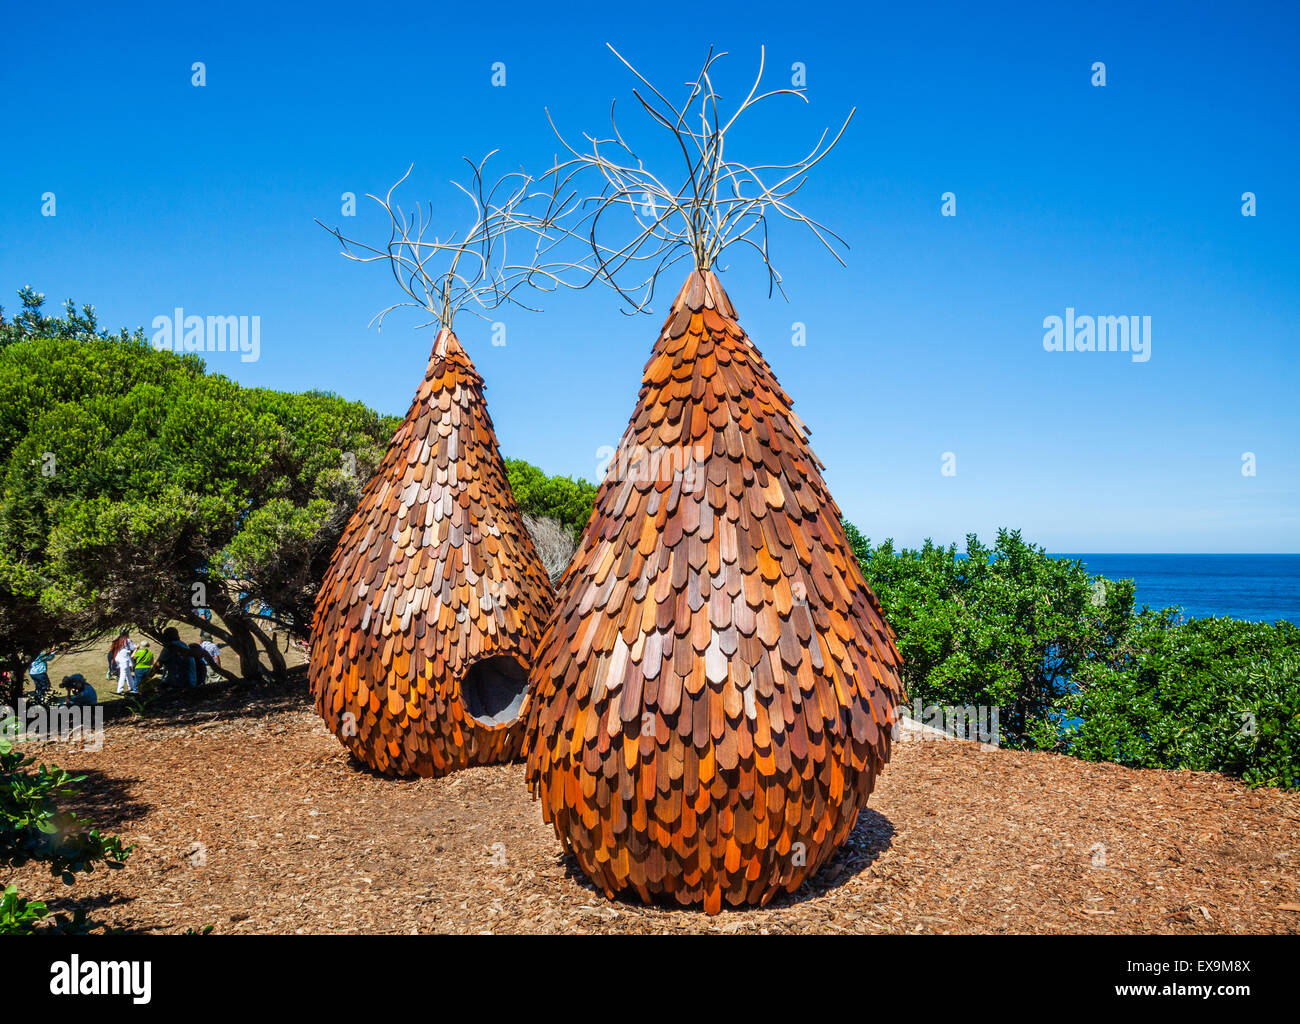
1211	694
33	827
1001	627
1072	668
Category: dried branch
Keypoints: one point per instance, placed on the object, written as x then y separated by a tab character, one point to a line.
445	276
719	202
554	542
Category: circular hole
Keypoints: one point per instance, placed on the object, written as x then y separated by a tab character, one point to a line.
493	690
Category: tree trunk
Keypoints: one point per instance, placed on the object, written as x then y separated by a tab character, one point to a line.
244	644
14	690
279	668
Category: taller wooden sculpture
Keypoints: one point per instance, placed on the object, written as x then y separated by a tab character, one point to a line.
714	696
715	693
434	601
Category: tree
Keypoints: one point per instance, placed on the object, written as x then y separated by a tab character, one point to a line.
137	489
562	498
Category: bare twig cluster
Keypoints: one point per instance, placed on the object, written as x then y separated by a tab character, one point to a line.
554	542
638	223
443	276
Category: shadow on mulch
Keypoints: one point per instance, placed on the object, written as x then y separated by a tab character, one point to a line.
222	700
71	899
872	835
107	800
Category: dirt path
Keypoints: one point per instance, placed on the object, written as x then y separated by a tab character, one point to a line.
250	817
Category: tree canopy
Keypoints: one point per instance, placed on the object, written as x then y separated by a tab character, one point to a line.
135	487
561	498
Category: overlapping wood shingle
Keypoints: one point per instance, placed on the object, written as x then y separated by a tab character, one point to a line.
715	693
434	574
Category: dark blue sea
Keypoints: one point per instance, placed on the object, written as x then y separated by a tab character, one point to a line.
1262	588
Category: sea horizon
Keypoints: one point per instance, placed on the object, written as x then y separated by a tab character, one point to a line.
1256	587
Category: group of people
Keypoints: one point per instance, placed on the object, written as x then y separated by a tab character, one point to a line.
178	665
78	691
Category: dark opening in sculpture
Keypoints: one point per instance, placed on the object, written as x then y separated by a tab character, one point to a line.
494	689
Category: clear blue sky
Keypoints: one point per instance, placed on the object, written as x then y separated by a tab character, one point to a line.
1117	200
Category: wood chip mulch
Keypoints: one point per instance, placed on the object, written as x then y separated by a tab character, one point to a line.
249	816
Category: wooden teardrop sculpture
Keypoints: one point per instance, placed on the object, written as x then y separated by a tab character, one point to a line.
430	613
714	695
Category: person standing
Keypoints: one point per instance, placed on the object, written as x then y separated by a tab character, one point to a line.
123	649
142	662
114	669
39	670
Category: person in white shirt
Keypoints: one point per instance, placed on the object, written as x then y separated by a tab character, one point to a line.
124	662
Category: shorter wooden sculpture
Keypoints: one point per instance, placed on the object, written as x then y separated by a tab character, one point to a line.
435	598
427	620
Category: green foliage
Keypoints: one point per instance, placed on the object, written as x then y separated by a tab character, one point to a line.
128	474
31	322
33	827
561	498
998	627
19	916
1072	667
1205	694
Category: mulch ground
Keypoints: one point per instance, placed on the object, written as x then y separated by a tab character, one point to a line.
248	816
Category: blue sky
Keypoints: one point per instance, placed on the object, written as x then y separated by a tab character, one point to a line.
1122	200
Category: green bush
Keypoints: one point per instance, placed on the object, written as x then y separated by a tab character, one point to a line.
1072	667
1001	627
32	827
17	915
1205	694
560	498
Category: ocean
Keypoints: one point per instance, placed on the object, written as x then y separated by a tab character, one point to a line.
1262	588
